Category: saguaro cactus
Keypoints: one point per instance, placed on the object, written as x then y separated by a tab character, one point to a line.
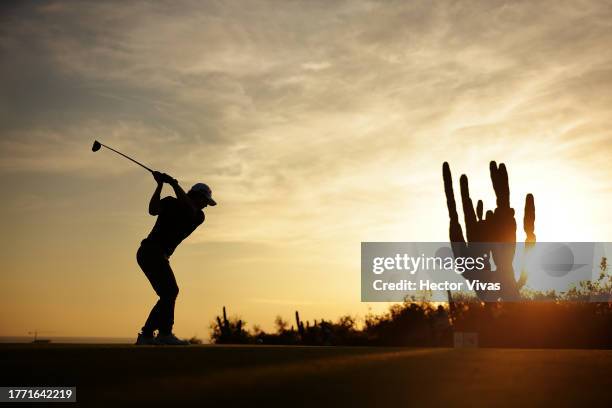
300	324
224	326
230	331
483	235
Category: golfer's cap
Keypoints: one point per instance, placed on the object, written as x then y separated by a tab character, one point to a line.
204	190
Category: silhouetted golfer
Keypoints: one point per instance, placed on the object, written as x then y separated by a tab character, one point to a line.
176	219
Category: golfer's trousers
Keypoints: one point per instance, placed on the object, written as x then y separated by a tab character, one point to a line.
154	263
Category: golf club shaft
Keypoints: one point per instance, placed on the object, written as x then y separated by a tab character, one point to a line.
127	157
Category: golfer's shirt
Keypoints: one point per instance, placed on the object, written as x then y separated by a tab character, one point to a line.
175	222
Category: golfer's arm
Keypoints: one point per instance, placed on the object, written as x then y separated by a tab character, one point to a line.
183	197
155	200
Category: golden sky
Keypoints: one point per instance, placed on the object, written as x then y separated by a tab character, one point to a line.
317	124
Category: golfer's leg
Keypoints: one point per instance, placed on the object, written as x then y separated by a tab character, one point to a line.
153	320
167	298
151	264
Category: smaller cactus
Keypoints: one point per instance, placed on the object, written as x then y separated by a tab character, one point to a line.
229	331
300	324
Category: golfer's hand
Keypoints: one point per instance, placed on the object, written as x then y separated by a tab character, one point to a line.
168	179
159	177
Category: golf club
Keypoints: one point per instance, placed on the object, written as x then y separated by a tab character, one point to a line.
96	146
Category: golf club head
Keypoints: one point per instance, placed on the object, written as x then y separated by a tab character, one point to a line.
96	146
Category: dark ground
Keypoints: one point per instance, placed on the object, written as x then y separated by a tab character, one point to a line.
293	376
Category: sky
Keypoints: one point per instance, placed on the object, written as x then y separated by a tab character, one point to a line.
318	125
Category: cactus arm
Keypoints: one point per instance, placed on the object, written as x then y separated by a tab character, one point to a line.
455	232
529	219
468	210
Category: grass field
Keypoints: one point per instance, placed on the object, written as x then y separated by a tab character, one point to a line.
257	376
